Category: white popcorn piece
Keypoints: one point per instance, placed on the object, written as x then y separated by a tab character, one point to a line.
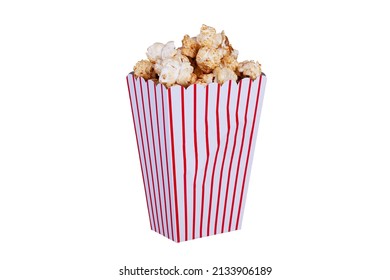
224	74
250	68
159	51
168	51
208	59
185	74
160	63
176	71
169	72
154	52
144	69
158	66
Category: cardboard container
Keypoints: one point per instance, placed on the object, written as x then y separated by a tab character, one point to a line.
196	148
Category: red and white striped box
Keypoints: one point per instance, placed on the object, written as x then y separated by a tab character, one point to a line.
196	148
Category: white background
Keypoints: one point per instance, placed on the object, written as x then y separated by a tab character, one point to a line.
72	204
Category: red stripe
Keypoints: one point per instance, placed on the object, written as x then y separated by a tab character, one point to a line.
139	152
145	162
249	151
155	159
215	161
161	164
207	160
174	165
150	159
166	162
231	158
224	157
196	167
183	129
239	157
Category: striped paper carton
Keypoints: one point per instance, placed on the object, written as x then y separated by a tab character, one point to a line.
195	148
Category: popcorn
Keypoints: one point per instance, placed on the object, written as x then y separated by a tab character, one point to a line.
224	74
206	79
169	72
154	52
176	71
250	69
158	66
186	79
144	69
230	60
186	75
208	57
208	37
180	56
160	63
225	43
190	46
159	51
197	71
168	50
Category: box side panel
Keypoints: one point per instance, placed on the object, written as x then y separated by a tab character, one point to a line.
141	143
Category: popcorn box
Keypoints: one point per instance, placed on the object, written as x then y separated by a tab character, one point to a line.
196	148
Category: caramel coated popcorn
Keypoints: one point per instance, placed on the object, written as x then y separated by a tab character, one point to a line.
209	57
224	74
230	60
208	37
205	79
144	68
249	69
190	46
